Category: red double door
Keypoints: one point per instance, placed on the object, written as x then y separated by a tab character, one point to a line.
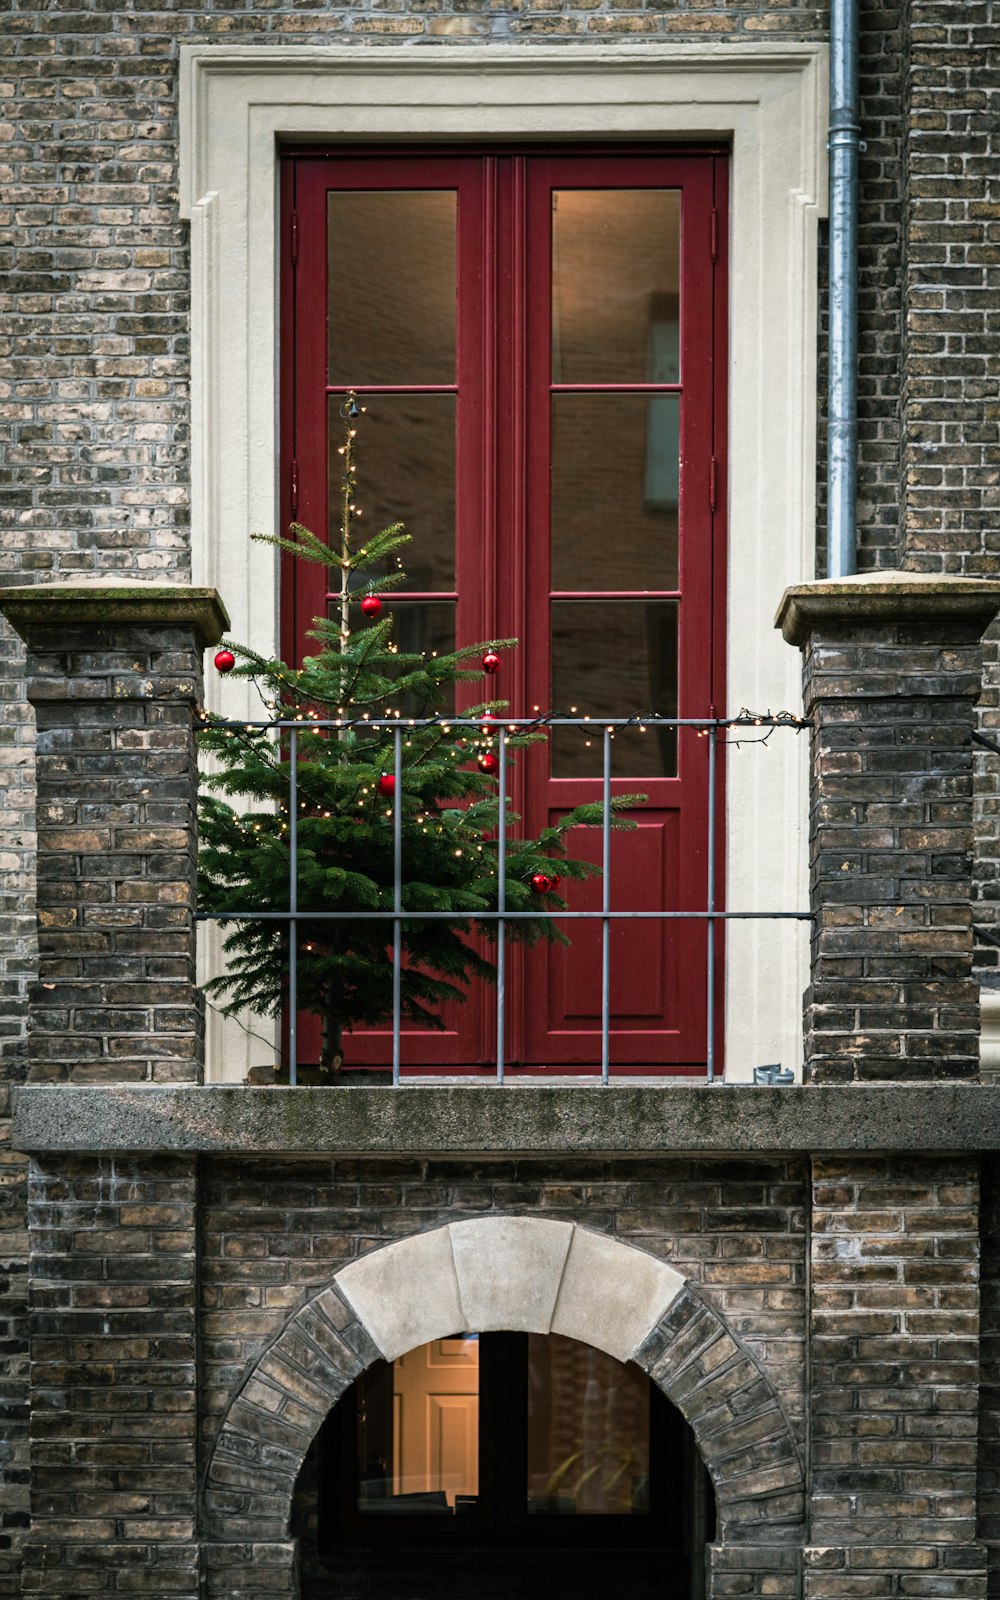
538	339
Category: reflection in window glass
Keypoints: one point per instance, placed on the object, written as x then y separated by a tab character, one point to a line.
615	270
588	1431
615	480
406	473
391	300
418	1431
615	658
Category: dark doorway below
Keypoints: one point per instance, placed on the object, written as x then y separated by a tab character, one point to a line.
515	1574
503	1467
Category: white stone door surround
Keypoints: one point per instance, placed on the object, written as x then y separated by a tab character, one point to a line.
768	100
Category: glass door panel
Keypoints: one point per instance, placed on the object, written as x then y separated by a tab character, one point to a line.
615	491
626	309
406	474
391	306
613	658
377	308
615	256
588	1431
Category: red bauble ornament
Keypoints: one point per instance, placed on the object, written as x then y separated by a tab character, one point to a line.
225	661
554	882
541	883
489	762
387	784
491	662
371	605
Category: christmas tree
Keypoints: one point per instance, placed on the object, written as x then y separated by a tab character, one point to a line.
345	778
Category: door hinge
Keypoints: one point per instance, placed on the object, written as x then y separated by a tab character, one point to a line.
295	238
295	488
713	483
715	234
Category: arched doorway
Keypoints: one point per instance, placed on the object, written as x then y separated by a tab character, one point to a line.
485	1275
500	1466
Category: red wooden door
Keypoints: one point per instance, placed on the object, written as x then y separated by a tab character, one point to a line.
538	338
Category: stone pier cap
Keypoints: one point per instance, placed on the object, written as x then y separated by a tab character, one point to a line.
887	596
114	602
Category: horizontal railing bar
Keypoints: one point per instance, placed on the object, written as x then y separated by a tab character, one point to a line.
525	724
508	916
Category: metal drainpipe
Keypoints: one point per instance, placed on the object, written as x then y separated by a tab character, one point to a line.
844	145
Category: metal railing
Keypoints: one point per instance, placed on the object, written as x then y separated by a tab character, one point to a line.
714	729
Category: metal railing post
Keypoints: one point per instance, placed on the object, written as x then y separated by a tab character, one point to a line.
501	904
397	898
710	952
293	907
606	907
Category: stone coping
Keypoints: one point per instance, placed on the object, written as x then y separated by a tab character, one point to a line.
114	601
483	1119
872	597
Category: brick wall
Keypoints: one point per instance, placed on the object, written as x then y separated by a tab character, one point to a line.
115	999
890	685
950	378
895	1374
94	421
13	1353
114	1307
271	1239
989	1375
883	46
95	340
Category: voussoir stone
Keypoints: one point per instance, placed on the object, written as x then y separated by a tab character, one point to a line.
407	1293
611	1294
509	1270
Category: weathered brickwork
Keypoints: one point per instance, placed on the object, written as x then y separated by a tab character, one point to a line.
892	993
114	1447
17	966
14	1463
894	1325
950	381
883	50
951	377
115	997
271	1240
115	1384
989	1371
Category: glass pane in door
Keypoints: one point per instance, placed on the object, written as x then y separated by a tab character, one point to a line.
391	286
418	1431
615	274
588	1431
406	473
615	491
614	658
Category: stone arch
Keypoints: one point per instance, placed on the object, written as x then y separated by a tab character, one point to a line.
519	1274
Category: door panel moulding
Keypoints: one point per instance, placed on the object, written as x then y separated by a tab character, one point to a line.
238	105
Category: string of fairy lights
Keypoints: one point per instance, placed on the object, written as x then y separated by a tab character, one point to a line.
729	732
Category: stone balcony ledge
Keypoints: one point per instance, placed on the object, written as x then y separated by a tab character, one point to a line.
484	1119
